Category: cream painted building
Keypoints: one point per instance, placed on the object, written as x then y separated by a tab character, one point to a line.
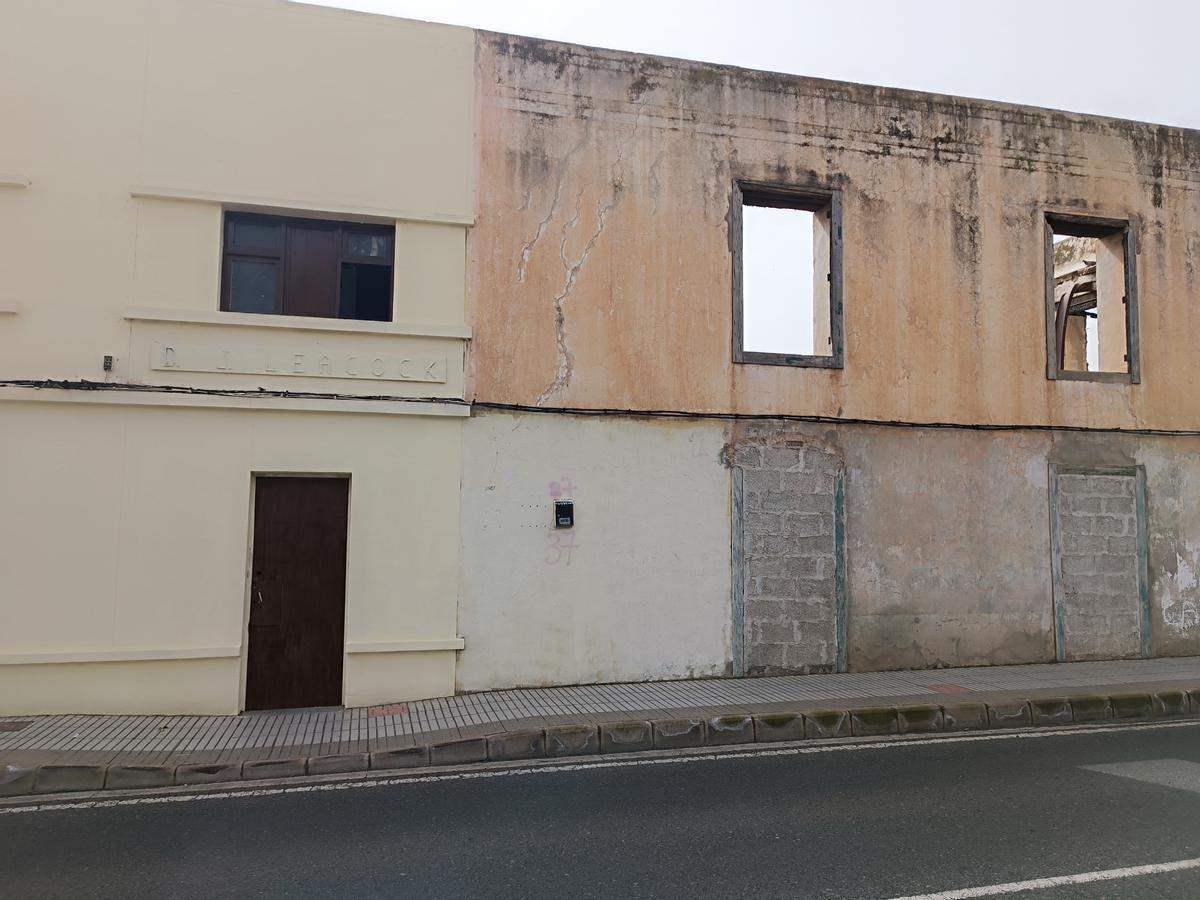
231	276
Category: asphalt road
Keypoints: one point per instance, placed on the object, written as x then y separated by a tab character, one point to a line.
905	819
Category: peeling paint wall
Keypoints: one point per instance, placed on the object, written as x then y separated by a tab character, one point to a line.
638	589
601	266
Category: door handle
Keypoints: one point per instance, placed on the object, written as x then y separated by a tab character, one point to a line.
258	597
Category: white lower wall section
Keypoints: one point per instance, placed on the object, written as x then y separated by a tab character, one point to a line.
638	589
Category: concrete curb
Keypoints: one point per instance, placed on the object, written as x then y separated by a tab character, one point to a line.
587	739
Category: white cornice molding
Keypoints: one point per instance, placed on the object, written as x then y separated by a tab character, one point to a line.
405	646
151	397
91	656
278	205
295	323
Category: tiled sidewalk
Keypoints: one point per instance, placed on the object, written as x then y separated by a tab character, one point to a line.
276	735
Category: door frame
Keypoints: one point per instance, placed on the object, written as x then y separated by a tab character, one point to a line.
1058	598
244	655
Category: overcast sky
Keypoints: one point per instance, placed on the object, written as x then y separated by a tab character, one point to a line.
1112	57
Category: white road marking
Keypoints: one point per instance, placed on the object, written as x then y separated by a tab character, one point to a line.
554	768
1181	774
1039	884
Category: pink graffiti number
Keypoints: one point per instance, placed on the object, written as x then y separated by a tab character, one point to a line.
559	547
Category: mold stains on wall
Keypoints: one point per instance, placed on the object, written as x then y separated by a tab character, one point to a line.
602	267
943	261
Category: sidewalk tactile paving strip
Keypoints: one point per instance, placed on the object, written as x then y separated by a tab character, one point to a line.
291	732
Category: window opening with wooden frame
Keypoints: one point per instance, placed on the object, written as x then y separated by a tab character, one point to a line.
1091	299
787	275
272	265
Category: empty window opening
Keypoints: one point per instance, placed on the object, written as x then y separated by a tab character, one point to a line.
786	311
307	267
1092	291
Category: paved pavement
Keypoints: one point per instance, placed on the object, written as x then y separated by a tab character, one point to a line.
159	740
835	821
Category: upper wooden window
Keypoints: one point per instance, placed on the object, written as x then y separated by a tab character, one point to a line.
307	267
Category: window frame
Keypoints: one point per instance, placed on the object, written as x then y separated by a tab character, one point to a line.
342	227
800	197
1077	225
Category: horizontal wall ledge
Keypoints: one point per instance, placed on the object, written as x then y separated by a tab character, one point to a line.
293	323
7	179
9	307
405	646
199	399
89	656
249	203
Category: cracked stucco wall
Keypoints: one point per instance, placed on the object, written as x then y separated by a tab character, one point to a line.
600	267
599	276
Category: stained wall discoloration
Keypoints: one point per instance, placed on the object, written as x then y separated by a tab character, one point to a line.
600	275
601	266
947	556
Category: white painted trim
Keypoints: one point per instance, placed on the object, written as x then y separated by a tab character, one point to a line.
405	646
294	323
397	407
8	179
91	656
276	204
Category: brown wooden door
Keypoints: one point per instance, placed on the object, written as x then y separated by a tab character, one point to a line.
297	593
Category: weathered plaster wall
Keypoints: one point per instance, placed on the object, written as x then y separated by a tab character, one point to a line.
947	546
639	588
601	265
948	551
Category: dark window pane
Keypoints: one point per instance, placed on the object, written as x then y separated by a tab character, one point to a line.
251	235
252	286
369	245
310	288
366	292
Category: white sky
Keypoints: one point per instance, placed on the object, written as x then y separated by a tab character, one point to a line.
1109	57
777	280
1106	57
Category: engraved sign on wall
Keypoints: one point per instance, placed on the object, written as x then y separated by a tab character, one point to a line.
309	364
